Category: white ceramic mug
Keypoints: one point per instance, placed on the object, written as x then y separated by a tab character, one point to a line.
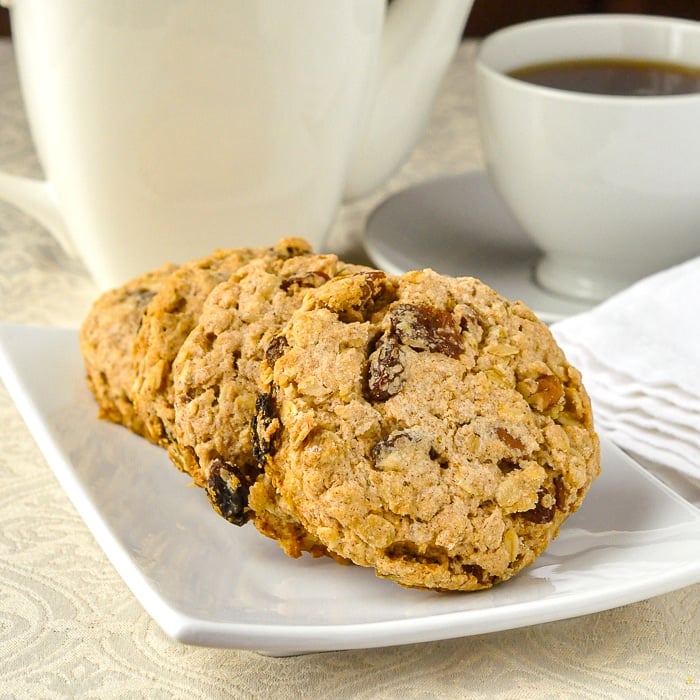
168	128
607	186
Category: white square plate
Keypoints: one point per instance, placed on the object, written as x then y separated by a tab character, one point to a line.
207	582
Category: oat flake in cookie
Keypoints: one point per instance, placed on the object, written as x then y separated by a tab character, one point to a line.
426	427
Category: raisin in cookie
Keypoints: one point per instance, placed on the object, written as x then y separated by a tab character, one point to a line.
107	337
168	320
424	426
216	379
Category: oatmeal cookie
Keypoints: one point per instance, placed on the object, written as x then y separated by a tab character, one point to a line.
169	318
107	337
423	426
216	382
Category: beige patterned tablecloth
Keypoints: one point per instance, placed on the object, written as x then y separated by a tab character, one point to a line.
69	626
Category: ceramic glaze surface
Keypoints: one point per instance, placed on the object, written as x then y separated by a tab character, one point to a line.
608	187
168	129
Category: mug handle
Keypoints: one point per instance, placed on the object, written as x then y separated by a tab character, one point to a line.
36	198
420	40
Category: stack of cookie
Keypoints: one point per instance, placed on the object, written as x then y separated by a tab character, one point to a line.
419	424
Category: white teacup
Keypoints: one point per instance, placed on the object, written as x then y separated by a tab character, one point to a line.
167	129
607	186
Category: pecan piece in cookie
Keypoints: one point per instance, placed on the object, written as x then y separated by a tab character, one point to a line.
542	393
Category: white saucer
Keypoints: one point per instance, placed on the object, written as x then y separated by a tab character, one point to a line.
459	225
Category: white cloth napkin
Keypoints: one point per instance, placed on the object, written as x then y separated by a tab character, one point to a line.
639	353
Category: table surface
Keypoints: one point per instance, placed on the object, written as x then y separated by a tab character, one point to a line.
69	626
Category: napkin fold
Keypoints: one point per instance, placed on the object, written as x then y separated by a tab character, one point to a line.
639	353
